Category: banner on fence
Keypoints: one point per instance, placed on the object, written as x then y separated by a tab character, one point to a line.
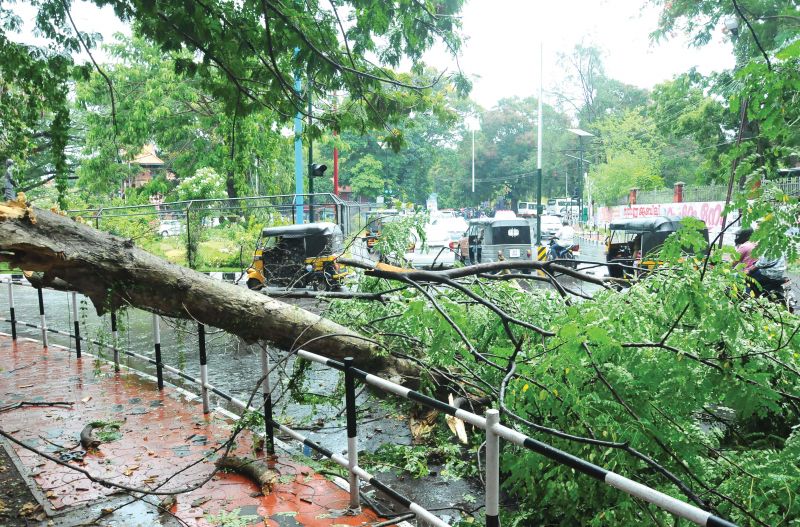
708	211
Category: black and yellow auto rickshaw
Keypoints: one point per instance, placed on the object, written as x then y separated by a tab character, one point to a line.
633	245
298	256
372	233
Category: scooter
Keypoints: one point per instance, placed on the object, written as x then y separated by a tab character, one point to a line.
554	252
780	292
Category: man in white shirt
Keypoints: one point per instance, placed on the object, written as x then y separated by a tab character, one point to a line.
564	238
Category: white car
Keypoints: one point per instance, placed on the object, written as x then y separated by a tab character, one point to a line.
170	228
550	225
455	226
437	252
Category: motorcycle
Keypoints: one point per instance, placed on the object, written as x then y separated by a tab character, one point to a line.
778	291
567	256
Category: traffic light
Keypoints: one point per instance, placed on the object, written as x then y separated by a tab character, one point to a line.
317	170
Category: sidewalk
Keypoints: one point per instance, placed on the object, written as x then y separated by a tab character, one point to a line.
161	433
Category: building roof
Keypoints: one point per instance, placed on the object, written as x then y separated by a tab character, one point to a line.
148	157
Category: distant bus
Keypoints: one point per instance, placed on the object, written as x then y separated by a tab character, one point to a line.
563	206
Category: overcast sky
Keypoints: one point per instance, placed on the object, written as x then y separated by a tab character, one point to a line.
501	52
503	38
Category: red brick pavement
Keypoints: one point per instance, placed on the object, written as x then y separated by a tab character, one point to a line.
161	432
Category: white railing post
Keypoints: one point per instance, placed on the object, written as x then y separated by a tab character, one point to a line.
114	345
76	324
266	391
352	433
201	332
42	318
492	469
157	347
11	308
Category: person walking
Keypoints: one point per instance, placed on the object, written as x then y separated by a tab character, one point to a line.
768	273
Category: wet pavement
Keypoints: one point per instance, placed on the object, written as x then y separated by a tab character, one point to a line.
161	432
234	368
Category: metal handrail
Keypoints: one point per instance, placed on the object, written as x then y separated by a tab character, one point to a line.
177	204
490	423
672	505
205	387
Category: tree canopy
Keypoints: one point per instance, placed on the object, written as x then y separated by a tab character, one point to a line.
243	55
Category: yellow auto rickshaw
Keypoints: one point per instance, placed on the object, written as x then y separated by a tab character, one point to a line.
298	256
633	246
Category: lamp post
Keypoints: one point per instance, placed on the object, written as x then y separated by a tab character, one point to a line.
298	147
581	134
539	126
473	124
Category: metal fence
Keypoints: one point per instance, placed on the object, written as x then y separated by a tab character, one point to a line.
789	185
193	221
489	423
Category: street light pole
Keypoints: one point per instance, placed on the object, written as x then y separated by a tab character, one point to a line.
539	155
310	155
298	148
473	160
581	134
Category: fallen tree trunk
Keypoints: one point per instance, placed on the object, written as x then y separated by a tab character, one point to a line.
113	273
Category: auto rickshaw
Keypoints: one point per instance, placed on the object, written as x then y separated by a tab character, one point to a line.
298	256
633	246
493	240
374	225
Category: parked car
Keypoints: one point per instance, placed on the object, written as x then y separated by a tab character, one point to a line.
170	228
435	253
550	225
455	226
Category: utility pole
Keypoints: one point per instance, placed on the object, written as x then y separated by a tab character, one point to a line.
298	148
335	167
473	160
580	179
581	176
539	156
310	154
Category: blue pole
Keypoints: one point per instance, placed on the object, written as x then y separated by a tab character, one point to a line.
298	151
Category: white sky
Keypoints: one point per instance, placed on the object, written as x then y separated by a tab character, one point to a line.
503	37
501	52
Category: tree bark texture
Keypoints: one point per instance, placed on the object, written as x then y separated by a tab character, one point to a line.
113	273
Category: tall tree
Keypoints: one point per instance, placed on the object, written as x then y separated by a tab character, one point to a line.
589	92
632	156
175	111
505	155
34	117
695	125
247	53
763	34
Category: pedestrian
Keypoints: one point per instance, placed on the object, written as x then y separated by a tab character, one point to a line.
9	185
768	273
744	247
